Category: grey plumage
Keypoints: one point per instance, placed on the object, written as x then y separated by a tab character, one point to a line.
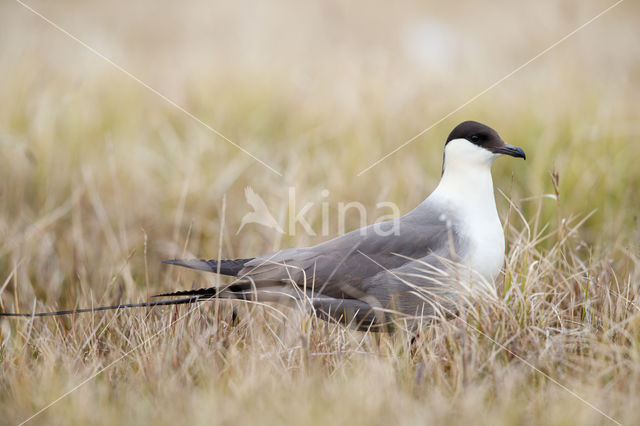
227	267
359	275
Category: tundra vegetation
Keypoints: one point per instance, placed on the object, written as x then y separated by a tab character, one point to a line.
101	179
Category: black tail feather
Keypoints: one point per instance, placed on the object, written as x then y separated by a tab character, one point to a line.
194	296
183	301
202	292
236	286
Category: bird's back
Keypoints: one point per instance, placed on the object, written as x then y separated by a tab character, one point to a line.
344	266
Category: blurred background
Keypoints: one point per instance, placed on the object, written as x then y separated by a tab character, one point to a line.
100	178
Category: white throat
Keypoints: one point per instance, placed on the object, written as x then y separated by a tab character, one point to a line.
466	190
466	177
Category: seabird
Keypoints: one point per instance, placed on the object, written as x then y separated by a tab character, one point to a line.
369	276
357	276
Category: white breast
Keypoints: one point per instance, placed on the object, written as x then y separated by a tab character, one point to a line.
483	229
466	190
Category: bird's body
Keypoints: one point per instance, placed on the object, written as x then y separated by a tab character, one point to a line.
453	237
411	266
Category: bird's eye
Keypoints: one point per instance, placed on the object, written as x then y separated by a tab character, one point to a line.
475	138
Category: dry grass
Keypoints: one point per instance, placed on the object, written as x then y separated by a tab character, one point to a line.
100	180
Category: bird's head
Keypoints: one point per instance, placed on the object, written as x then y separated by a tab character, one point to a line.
473	144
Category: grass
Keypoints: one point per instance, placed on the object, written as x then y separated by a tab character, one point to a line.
100	180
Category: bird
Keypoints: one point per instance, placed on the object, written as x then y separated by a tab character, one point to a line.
359	277
409	267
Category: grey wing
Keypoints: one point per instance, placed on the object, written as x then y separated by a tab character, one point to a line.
346	267
420	287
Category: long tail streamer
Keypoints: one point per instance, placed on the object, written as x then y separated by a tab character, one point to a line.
182	301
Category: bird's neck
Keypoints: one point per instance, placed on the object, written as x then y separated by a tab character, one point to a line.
470	185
